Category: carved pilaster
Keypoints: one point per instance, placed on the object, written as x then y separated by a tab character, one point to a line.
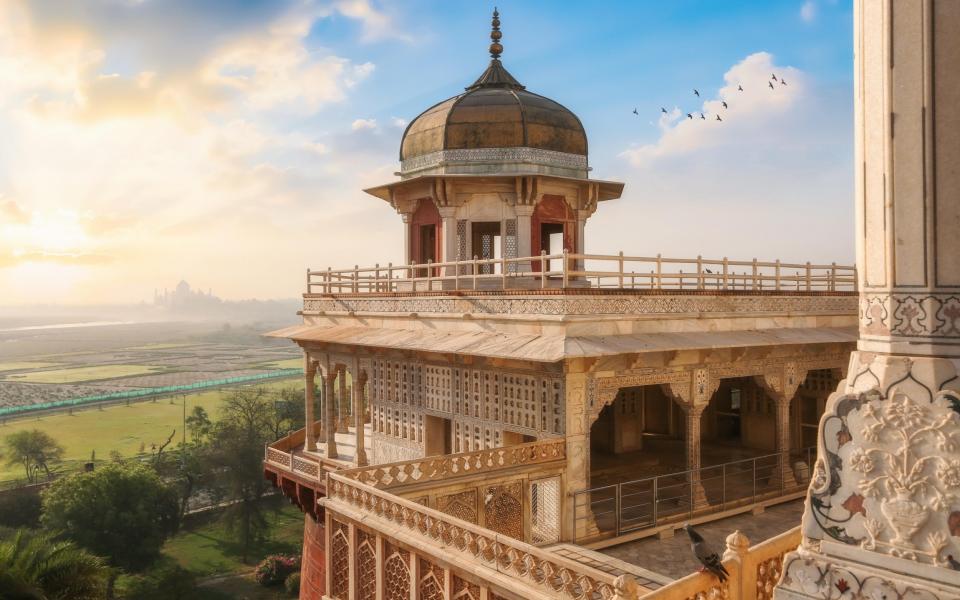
329	418
309	401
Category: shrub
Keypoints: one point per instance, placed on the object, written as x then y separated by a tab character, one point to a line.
275	568
292	584
20	508
164	582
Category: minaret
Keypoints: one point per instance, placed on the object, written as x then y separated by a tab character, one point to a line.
882	515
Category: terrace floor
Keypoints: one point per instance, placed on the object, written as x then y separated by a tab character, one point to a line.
673	558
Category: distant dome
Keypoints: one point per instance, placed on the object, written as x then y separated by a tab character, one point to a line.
530	132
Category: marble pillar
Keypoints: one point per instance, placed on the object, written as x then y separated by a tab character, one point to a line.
882	515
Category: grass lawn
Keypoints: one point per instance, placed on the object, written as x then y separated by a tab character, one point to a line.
207	549
19	366
119	427
79	374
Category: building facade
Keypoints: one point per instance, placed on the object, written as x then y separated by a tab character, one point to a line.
496	394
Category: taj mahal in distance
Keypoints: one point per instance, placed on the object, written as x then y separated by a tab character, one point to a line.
501	415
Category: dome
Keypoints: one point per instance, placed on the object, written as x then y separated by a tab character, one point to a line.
496	125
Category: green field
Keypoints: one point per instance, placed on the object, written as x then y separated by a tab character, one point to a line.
119	427
79	374
208	550
291	363
163	346
19	366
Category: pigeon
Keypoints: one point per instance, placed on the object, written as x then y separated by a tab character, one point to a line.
709	271
773	77
718	118
703	117
783	81
689	116
707	557
739	88
663	110
635	112
695	91
724	103
770	84
953	563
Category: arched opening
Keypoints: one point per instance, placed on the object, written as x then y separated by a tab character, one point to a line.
552	228
425	234
639	434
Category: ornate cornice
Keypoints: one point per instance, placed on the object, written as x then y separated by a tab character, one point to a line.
494	156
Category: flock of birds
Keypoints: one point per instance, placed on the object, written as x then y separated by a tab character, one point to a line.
696	92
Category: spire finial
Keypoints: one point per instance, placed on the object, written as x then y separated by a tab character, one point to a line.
495	47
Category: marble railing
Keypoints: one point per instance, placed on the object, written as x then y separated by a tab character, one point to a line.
286	454
444	467
615	271
754	571
475	556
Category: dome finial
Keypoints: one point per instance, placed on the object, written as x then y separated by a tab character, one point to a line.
495	47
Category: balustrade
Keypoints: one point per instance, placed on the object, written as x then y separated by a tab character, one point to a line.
597	271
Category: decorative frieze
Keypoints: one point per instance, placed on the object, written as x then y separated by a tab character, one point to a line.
498	156
578	304
910	315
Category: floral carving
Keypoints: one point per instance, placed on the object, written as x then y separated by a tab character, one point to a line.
908	483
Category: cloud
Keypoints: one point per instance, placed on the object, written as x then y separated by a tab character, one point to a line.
122	168
398	122
363	124
751	113
808	11
11	212
772	180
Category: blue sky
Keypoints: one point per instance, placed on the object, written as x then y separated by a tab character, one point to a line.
150	140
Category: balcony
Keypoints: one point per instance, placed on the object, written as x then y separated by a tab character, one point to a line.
593	272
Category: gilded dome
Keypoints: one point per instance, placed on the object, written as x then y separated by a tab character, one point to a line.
492	114
495	121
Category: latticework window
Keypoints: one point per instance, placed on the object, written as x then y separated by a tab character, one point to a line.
366	566
396	574
462	505
339	563
545	511
464	590
503	509
431	581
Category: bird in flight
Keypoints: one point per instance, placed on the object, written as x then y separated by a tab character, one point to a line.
695	91
724	103
739	88
703	117
663	110
783	81
689	116
635	112
718	118
773	76
705	555
770	83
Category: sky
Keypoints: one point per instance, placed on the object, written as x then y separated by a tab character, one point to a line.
227	142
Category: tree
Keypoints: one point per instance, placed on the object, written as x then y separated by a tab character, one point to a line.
237	450
121	511
287	411
35	566
199	424
36	450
